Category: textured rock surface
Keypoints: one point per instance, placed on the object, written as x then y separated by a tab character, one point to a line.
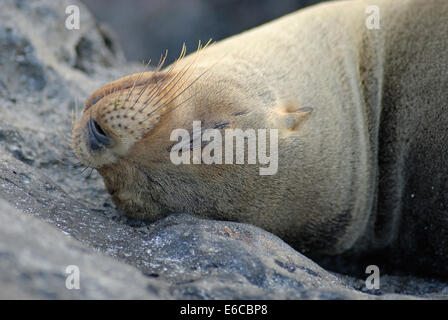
52	215
177	258
34	257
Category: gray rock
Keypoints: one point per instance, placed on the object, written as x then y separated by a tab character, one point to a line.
34	257
51	215
199	259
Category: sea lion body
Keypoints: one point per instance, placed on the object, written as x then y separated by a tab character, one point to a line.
364	170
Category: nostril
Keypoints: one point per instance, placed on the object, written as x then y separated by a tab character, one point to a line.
98	128
97	137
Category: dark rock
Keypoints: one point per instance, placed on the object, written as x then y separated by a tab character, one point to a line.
18	60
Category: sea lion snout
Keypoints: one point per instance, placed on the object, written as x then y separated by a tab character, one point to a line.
91	143
119	115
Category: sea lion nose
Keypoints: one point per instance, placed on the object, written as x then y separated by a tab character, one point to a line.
97	138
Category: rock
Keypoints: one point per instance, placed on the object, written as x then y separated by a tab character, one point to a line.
52	216
198	258
35	257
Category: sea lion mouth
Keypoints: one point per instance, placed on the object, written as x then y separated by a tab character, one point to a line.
97	138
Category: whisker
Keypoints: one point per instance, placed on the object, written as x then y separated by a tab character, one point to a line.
77	165
83	170
134	84
172	83
155	90
182	74
156	105
90	173
186	100
161	62
193	82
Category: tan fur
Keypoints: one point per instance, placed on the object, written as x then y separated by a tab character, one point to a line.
319	76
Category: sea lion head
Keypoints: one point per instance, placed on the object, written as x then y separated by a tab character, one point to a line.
125	134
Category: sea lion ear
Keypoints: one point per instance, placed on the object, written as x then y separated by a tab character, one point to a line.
293	119
289	116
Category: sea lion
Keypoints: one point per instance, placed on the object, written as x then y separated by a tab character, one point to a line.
362	123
